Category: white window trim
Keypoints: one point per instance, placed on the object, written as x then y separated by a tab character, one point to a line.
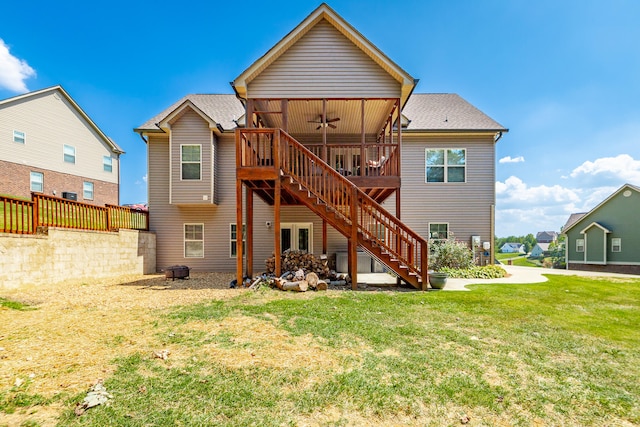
231	240
445	165
185	240
107	161
438	223
20	135
618	245
578	241
294	227
65	154
183	162
41	181
84	192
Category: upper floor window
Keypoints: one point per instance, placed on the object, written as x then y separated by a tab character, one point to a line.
194	240
445	165
87	190
37	182
19	137
190	161
438	231
616	244
107	163
69	154
579	245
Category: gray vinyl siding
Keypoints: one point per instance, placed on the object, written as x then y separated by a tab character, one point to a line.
50	122
168	220
466	207
324	64
191	129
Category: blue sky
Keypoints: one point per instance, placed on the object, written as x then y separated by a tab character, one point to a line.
563	76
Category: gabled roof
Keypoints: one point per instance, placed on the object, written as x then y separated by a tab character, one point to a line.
543	246
325	12
513	245
597	225
221	109
59	89
570	224
446	112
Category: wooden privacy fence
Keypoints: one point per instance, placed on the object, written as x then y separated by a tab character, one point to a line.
24	217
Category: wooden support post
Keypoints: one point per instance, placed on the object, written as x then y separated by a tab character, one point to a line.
424	264
284	107
249	232
277	242
239	272
353	248
277	236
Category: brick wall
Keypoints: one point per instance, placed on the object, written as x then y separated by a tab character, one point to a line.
63	254
15	180
610	268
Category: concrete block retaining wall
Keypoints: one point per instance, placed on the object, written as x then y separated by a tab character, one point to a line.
64	254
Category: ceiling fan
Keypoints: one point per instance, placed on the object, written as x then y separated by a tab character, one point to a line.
323	122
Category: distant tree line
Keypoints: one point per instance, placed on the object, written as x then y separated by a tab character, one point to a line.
529	241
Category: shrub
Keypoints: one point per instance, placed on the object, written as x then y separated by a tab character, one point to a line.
449	254
486	272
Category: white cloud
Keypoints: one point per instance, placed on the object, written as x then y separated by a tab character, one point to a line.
609	170
509	159
144	178
13	71
514	192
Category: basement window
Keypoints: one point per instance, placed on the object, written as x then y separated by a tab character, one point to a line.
233	239
37	182
87	190
194	240
439	231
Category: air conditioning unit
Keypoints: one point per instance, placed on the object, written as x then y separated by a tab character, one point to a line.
69	196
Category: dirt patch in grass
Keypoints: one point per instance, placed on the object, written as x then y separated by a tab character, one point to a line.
77	328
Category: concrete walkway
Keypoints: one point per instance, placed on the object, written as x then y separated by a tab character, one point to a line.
516	275
519	274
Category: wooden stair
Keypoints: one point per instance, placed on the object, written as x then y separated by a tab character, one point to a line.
337	200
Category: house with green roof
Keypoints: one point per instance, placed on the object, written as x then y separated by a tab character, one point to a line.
607	238
323	146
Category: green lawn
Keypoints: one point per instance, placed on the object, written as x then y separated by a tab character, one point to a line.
565	352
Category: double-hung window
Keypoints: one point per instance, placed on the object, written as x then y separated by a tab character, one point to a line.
19	137
107	163
69	152
194	240
87	190
579	245
616	244
445	165
190	161
37	182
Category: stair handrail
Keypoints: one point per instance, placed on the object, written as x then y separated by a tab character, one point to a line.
414	255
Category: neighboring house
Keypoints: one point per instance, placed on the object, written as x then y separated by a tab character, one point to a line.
540	249
608	237
546	236
49	145
512	248
308	155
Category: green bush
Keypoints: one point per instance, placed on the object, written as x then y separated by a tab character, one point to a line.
449	254
476	272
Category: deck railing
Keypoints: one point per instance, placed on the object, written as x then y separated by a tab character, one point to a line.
359	159
16	215
24	217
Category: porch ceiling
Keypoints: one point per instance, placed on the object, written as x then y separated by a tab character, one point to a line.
303	115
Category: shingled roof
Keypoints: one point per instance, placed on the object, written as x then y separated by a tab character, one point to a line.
221	108
425	112
446	112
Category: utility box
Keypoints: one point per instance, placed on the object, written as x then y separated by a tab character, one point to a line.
69	196
342	262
